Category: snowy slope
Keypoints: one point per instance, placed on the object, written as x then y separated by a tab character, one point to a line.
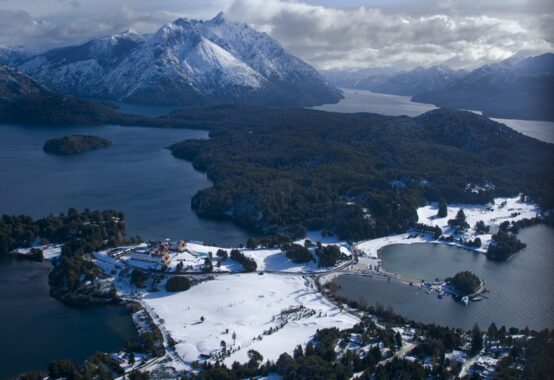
15	85
13	55
287	308
186	62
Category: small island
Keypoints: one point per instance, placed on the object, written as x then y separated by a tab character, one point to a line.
75	144
465	283
503	246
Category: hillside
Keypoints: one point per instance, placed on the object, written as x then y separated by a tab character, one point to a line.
361	175
515	88
418	81
186	62
15	85
13	55
24	101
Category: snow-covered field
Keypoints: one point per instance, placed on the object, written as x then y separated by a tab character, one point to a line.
272	260
276	260
247	305
503	209
48	251
492	215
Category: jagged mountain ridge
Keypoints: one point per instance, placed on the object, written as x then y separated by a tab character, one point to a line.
186	62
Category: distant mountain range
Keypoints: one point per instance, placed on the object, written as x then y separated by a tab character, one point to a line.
14	55
186	62
519	88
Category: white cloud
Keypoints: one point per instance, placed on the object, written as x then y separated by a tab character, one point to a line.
400	33
18	27
366	37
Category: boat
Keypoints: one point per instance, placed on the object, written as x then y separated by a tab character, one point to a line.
465	300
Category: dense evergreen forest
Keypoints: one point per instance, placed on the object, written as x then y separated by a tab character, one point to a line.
285	170
95	228
81	233
359	175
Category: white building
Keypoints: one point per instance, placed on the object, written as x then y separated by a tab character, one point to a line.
151	256
178	246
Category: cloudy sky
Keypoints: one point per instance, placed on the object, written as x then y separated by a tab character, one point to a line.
326	33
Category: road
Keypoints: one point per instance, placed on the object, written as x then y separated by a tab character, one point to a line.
399	354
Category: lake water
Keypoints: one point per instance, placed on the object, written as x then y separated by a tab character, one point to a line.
36	328
137	175
520	289
367	101
394	105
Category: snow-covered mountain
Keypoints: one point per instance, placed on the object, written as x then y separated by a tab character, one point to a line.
13	55
361	79
16	85
518	88
393	82
419	80
186	62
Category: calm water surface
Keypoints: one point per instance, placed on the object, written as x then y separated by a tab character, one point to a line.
520	289
367	101
36	328
137	175
394	105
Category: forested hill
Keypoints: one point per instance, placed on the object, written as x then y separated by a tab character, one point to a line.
361	175
24	101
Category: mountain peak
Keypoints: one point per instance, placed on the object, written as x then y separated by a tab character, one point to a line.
186	62
219	18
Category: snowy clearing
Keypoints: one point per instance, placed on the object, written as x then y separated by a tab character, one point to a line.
503	209
49	252
493	214
271	259
269	313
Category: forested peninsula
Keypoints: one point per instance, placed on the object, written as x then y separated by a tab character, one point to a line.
361	175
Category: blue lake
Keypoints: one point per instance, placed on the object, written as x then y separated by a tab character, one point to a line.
395	105
137	175
519	289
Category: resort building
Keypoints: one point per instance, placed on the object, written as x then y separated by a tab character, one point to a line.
178	246
156	253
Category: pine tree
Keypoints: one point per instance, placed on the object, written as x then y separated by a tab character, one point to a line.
443	208
476	340
398	339
492	332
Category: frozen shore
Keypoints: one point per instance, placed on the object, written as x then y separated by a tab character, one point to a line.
502	210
